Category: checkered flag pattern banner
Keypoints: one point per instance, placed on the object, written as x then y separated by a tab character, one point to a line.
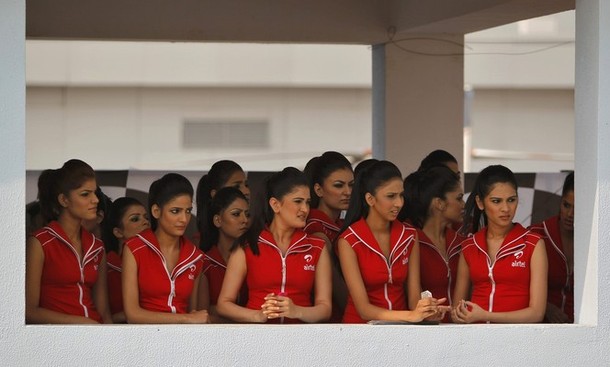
539	195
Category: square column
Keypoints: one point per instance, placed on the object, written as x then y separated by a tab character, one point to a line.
418	98
592	164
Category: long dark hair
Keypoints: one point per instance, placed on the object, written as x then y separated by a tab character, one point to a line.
568	184
319	168
221	201
485	181
436	158
165	189
368	180
53	182
421	187
216	178
363	165
276	186
114	219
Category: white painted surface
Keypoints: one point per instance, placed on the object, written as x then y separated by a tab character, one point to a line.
119	128
535	121
141	128
534	53
479	345
106	63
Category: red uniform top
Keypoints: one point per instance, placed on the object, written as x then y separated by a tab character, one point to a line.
384	279
292	274
67	279
561	279
214	269
438	273
501	284
115	293
160	290
319	222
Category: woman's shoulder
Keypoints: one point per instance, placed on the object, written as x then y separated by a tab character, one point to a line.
49	231
470	241
142	240
406	227
527	235
356	227
546	227
315	241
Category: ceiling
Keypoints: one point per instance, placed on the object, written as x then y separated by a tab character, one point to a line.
289	21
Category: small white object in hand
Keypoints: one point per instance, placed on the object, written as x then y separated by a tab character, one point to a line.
426	294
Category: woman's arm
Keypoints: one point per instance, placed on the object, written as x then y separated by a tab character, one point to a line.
414	277
34	314
131	302
367	311
233	280
203	300
462	283
100	292
537	304
460	292
282	306
194	299
413	284
339	289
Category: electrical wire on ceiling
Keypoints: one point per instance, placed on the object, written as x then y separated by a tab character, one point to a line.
466	46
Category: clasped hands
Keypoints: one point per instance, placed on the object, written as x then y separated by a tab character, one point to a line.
277	306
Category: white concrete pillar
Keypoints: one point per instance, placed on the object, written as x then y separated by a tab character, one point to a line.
12	160
418	98
592	162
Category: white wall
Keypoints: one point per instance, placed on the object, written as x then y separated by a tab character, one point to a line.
129	127
522	109
533	53
107	63
533	123
141	128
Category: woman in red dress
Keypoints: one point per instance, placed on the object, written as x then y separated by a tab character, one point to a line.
228	215
558	235
505	263
434	201
125	218
287	272
379	255
161	268
66	264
